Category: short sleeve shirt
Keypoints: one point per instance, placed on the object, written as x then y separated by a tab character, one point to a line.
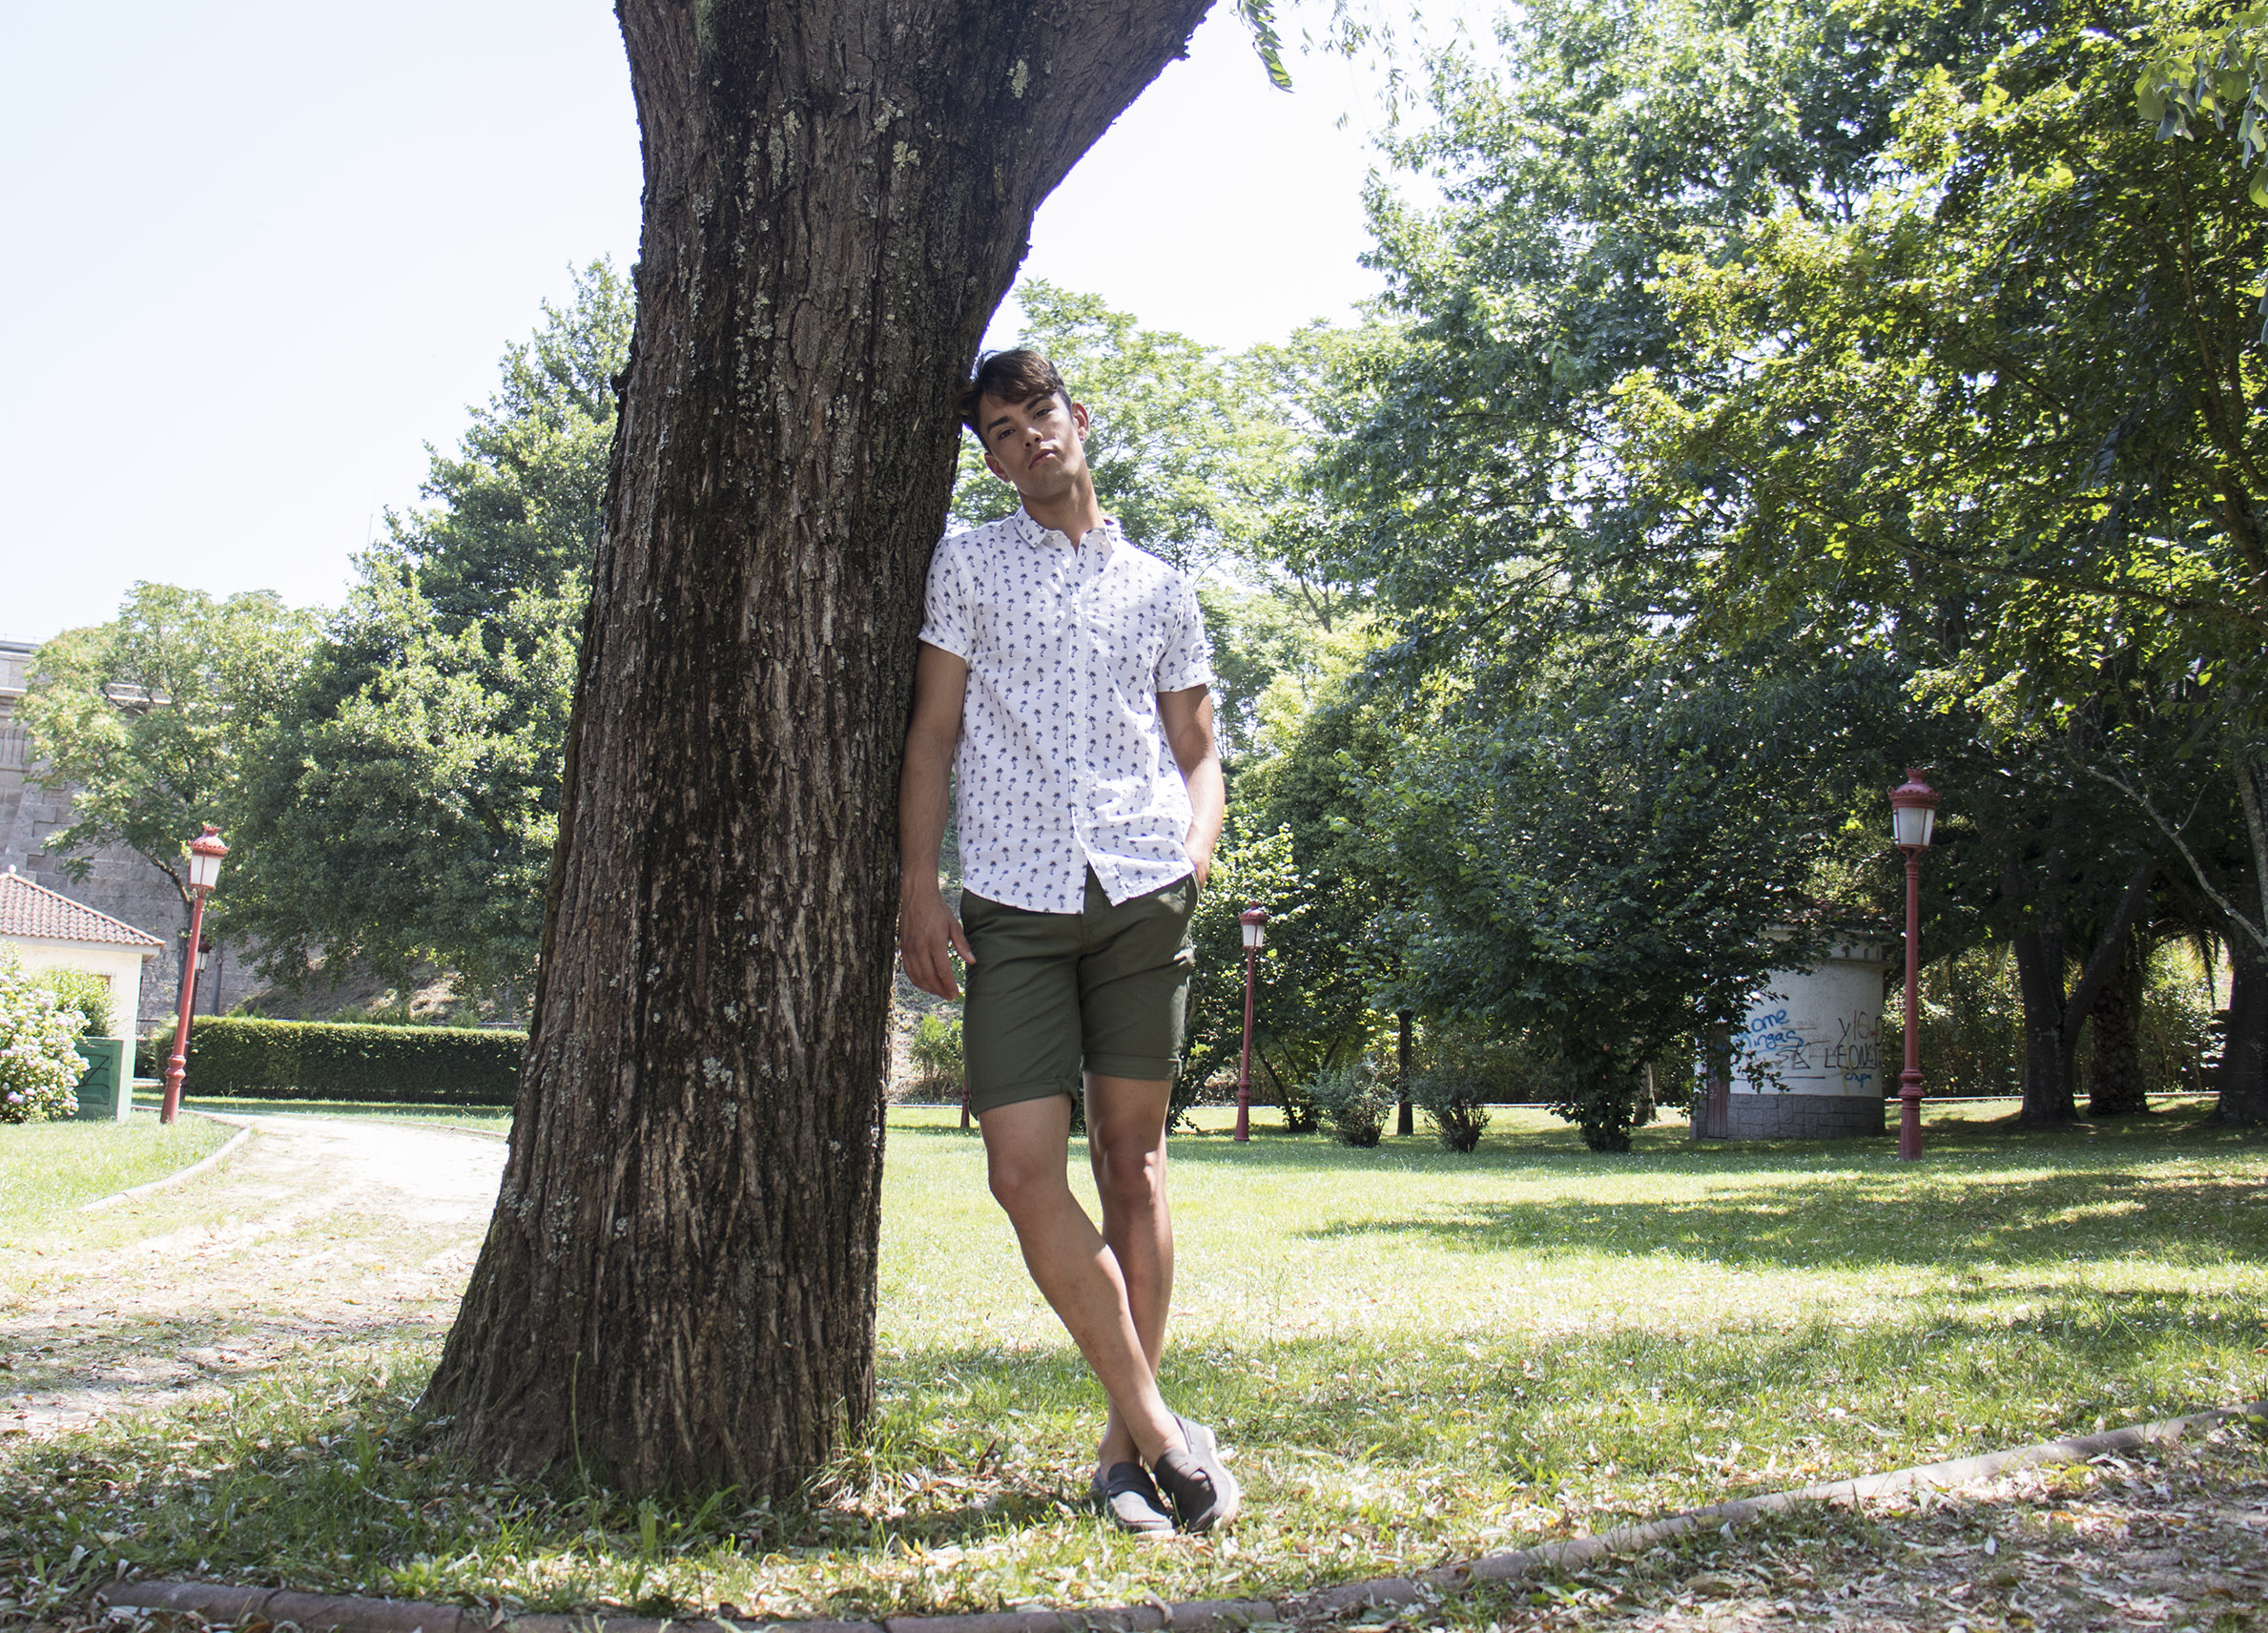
1064	763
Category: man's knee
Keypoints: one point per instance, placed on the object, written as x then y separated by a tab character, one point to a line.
1131	1174
1022	1187
1134	1188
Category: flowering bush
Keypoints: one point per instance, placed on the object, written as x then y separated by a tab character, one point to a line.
38	1066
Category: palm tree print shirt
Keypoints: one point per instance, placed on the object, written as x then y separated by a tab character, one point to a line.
1064	763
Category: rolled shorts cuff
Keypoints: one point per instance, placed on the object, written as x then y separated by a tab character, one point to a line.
1143	1069
993	1097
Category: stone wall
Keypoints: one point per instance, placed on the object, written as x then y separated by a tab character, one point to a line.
1804	1116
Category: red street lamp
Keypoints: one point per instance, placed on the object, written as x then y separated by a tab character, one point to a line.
205	852
1254	921
1913	820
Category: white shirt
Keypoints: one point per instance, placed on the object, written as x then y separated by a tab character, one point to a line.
1064	763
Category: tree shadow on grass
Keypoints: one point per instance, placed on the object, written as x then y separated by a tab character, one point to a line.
1847	1221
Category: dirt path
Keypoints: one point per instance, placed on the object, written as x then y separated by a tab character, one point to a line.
318	1232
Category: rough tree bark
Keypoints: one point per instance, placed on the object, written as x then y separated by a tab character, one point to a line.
2114	1086
2242	1075
2052	1016
677	1289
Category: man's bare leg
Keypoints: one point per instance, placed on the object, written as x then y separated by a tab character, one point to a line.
1125	1124
1027	1146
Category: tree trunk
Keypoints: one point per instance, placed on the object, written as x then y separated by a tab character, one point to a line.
1403	1125
2243	1074
2048	1098
2115	1086
677	1290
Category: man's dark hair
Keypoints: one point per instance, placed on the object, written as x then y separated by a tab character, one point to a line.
1008	377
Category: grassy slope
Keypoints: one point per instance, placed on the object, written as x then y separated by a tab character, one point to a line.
48	1169
1416	1356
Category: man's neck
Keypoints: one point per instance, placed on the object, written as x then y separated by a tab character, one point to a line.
1074	514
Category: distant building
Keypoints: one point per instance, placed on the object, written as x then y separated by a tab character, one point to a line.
47	930
120	885
1808	1063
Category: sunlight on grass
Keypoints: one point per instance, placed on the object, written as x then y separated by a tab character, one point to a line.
1416	1357
46	1170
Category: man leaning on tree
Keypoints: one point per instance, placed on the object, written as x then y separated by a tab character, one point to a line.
1063	682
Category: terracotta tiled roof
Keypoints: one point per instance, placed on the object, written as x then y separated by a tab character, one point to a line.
32	910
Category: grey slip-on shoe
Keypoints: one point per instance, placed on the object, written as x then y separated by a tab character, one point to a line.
1129	1498
1198	1483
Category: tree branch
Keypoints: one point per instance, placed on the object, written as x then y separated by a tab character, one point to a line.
2258	932
2105	958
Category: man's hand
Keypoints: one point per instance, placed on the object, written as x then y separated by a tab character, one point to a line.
927	934
1200	855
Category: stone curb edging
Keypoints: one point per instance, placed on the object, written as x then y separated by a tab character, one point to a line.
321	1613
180	1175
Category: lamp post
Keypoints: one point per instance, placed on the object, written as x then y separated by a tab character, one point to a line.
1913	820
205	852
1253	922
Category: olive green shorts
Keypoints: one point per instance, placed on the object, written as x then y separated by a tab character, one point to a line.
1104	990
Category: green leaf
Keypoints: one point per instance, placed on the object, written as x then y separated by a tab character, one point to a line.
1260	16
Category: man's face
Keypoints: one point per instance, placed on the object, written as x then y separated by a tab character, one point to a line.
1039	447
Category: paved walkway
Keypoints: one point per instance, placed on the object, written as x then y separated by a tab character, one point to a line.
317	1232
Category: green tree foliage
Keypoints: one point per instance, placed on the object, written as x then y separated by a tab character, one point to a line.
149	719
1244	870
406	813
1598	856
1872	334
1175	438
1329	960
86	995
1615	135
2010	400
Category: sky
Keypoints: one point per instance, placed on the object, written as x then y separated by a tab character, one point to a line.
258	254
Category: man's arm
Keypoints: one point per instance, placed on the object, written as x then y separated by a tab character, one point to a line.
1187	717
926	931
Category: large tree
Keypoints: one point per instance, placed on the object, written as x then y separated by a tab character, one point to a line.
2013	398
677	1288
146	719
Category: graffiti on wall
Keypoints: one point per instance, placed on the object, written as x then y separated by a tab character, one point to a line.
1841	1056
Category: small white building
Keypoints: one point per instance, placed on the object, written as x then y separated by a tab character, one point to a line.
1807	1061
48	930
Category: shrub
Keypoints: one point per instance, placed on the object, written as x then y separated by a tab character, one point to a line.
1505	1068
89	995
934	1051
310	1060
1453	1105
39	1069
1353	1101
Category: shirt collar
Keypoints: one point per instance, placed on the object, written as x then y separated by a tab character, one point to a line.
1106	537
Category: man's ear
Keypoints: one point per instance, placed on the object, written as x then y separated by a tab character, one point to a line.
994	465
1079	419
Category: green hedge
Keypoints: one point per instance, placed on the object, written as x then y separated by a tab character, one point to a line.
311	1060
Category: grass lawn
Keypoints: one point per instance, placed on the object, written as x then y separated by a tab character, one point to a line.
48	1169
1416	1357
